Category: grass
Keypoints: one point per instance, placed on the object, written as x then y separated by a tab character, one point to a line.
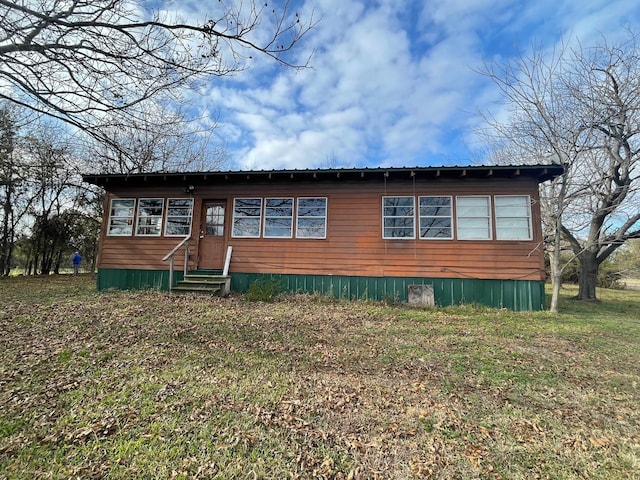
632	283
146	385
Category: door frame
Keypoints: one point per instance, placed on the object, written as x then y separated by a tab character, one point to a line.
223	239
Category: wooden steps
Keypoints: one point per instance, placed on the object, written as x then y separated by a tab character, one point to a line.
205	283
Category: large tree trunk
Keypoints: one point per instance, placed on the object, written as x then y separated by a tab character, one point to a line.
587	277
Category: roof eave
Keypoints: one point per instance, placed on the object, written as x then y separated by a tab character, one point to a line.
540	172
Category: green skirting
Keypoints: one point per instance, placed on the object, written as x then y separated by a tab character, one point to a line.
511	294
126	279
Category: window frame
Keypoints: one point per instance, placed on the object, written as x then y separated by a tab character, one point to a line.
161	217
217	220
450	217
265	217
132	217
489	218
168	216
412	216
324	217
259	217
528	217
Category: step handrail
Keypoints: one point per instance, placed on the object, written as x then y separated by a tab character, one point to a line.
170	256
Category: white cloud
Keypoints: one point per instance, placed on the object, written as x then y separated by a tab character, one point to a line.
392	83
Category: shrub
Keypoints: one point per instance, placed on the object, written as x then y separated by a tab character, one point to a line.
264	290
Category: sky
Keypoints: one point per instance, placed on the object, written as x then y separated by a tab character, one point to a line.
391	83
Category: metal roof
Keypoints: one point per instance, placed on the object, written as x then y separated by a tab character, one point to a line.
539	172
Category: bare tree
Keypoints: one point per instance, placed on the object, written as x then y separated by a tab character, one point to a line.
158	141
581	107
536	130
90	62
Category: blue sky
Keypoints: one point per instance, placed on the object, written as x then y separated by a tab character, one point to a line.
393	82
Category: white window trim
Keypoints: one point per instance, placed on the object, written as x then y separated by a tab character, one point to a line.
167	216
490	219
413	198
161	216
450	217
495	214
133	218
233	220
265	217
324	217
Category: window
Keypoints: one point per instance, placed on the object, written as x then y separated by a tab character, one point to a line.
121	216
246	217
398	217
150	216
473	216
278	217
214	219
513	217
435	217
179	213
312	218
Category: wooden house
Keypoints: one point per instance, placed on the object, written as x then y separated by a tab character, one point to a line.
469	234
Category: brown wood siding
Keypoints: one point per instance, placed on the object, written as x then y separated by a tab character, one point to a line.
354	243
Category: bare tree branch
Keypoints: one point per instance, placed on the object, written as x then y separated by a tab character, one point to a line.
79	60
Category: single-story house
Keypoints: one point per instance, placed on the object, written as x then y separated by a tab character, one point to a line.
470	234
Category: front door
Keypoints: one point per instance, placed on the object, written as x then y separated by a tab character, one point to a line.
212	234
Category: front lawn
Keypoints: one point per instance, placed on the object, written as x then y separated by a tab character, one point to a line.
147	385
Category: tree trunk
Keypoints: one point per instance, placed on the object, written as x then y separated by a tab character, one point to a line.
3	257
58	261
9	264
587	277
6	239
94	254
46	263
36	263
556	277
556	284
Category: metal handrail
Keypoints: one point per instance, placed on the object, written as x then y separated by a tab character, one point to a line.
171	255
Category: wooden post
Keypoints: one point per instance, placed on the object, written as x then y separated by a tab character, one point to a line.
186	259
227	261
171	273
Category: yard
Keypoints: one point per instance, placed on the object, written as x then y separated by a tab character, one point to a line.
146	385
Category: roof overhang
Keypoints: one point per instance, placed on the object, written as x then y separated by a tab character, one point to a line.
540	173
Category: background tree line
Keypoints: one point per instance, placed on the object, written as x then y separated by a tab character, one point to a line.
45	211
